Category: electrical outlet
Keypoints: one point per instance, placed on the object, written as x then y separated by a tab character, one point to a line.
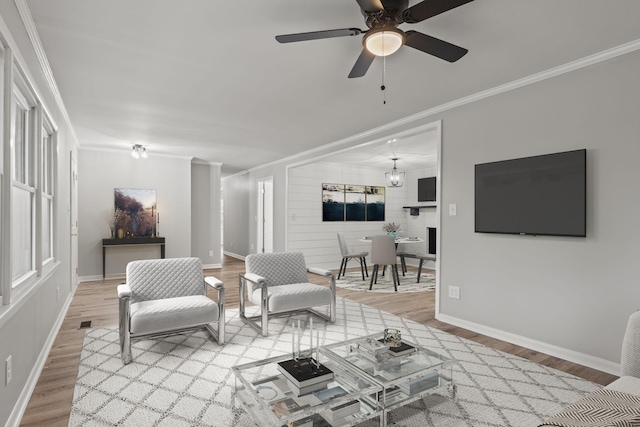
8	370
453	209
252	246
454	292
210	253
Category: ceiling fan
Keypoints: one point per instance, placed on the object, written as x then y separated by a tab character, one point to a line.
384	38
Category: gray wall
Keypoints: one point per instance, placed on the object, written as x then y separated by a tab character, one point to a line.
569	297
574	293
100	173
29	324
235	195
205	214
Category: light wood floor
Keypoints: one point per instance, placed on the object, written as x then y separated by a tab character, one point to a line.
97	302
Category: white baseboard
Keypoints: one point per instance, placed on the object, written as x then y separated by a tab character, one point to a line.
552	350
211	265
231	254
97	277
23	400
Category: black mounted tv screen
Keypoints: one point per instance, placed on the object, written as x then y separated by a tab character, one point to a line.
427	189
540	195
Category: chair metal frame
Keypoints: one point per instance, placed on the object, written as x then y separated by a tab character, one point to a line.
265	314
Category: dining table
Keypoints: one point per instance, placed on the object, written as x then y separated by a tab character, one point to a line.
398	240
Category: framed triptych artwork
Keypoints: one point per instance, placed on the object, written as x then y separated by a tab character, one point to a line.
347	202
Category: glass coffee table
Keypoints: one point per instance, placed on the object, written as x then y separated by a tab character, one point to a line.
406	373
268	397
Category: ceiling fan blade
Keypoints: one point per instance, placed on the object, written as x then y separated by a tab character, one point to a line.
315	35
371	5
362	64
428	8
433	46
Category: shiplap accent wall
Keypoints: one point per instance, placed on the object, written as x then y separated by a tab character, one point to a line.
318	240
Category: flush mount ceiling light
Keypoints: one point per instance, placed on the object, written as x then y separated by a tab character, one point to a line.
138	151
394	177
384	41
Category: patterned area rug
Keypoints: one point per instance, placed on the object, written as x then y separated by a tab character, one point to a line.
185	380
408	283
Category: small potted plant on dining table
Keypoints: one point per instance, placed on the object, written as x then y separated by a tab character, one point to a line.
391	228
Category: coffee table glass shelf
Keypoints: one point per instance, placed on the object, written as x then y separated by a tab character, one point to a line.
407	373
267	396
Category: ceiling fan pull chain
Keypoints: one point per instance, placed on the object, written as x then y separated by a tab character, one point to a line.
383	87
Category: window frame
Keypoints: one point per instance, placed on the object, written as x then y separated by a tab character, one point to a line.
48	171
24	178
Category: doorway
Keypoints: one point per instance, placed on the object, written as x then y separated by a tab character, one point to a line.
265	215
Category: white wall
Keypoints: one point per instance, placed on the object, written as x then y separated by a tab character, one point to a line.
100	172
318	239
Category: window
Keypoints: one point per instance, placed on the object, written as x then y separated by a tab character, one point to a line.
23	198
29	175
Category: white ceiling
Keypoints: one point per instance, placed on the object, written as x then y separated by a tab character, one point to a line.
207	79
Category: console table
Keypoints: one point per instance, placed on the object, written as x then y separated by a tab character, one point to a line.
134	241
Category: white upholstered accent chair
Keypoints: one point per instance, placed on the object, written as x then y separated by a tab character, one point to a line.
383	252
278	283
629	381
347	255
630	360
167	296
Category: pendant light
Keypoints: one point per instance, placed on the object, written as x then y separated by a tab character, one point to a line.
395	177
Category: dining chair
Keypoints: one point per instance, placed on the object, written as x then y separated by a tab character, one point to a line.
347	255
402	254
422	259
383	252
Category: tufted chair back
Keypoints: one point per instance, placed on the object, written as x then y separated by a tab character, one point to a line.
278	268
630	362
155	279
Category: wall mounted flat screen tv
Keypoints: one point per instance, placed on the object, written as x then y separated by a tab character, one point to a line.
540	195
427	189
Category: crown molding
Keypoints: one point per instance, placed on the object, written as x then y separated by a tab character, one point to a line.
205	162
30	26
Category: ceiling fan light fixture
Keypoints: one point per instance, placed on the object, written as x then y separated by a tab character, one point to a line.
384	42
395	177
